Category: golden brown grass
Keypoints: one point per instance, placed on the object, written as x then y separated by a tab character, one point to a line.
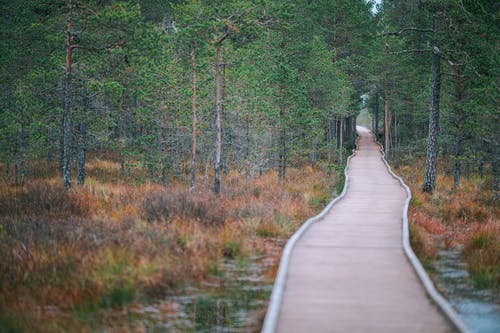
464	216
107	245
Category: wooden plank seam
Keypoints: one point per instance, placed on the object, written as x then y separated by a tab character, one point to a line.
274	307
424	278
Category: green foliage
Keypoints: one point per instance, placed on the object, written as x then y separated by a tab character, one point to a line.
481	253
132	84
9	324
469	69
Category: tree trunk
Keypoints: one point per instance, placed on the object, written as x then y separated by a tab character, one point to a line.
247	148
66	124
21	158
82	138
193	112
50	146
348	130
432	144
395	150
218	110
313	151
387	120
375	121
495	163
121	139
329	146
353	131
341	141
282	146
163	146
457	144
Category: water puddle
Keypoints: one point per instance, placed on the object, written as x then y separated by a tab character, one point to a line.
479	309
234	301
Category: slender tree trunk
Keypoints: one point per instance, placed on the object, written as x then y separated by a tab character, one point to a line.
395	151
225	134
177	148
121	136
496	172
66	130
177	132
50	147
354	131
61	144
387	120
375	121
341	141
457	146
82	138
163	146
348	129
337	131
247	149
21	158
313	151
193	112
432	144
329	140
282	146
218	110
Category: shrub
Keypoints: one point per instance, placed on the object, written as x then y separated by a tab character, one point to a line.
231	249
422	245
482	253
42	198
160	206
269	230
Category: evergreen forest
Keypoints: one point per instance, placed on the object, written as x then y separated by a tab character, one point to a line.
144	144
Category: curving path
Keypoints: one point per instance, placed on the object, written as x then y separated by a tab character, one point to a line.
348	273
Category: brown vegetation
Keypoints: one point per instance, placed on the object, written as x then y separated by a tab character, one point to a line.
107	245
465	216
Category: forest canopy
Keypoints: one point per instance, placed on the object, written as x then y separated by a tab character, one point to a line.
168	88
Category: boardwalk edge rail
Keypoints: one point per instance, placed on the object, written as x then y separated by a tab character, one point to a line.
426	281
273	309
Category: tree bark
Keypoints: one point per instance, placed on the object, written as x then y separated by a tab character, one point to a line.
341	141
247	148
218	110
457	144
432	144
282	146
192	175
121	131
66	123
496	171
82	138
375	121
163	146
21	158
329	146
387	120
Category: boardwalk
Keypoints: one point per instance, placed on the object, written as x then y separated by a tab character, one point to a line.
348	273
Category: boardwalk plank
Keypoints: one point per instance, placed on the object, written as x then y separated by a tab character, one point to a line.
348	273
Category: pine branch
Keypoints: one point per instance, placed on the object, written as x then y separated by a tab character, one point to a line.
94	48
397	33
410	51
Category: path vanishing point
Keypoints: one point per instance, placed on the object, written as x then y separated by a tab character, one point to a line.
348	272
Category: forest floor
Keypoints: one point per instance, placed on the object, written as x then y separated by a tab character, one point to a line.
463	218
84	260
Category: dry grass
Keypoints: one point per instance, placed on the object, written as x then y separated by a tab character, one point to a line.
463	216
107	245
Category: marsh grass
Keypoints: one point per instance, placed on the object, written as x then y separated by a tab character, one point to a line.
71	260
464	216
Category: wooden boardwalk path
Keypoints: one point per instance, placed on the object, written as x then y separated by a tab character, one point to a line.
348	272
